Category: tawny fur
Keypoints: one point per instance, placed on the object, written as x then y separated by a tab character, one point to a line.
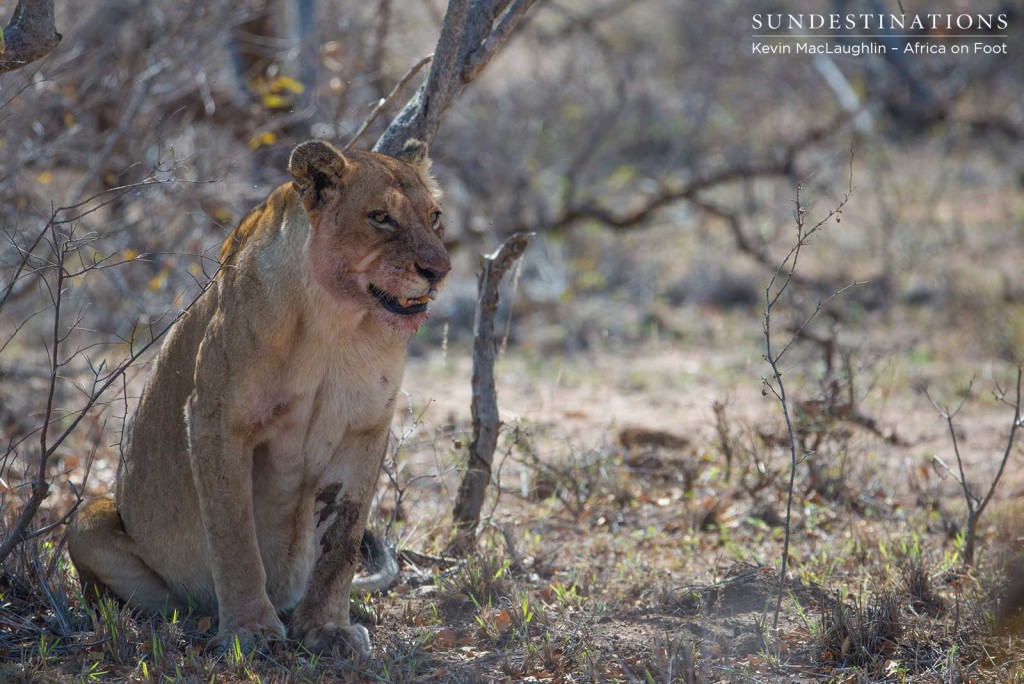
257	444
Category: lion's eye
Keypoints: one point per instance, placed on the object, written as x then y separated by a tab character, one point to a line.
381	219
435	219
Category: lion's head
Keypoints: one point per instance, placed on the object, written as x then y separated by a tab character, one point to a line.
375	228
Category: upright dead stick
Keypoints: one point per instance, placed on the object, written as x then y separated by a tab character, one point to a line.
486	423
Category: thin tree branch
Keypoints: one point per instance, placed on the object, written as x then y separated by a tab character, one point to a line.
386	102
40	487
976	505
1011	437
668	195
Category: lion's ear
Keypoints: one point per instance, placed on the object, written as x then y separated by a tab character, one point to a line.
415	154
315	165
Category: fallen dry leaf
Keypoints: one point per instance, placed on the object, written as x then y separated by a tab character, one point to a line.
445	638
502	621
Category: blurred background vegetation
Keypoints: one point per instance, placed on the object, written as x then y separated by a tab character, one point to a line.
653	152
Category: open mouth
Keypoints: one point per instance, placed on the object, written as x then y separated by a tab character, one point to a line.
403	306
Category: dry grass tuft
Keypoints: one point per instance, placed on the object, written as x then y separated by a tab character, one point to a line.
860	632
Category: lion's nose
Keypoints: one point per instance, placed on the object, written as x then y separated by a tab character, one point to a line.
435	271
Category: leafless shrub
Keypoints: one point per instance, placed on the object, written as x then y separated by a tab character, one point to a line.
976	504
838	395
78	362
584	477
774	353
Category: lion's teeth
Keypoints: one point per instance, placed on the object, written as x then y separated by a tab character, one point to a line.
403	301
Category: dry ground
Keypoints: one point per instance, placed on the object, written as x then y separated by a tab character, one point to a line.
616	549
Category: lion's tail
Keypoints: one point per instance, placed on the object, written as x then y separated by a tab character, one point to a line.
381	564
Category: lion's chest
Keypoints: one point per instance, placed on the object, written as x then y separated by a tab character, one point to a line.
305	421
308	429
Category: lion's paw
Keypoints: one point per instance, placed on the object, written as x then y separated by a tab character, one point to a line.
339	640
249	633
253	626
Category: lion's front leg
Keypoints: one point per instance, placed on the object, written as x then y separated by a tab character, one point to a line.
321	620
222	470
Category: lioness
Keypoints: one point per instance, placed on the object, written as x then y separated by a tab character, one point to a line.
257	444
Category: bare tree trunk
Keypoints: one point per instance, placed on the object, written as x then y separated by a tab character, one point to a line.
32	34
486	422
473	32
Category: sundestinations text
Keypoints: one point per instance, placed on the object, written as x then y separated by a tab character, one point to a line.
879	22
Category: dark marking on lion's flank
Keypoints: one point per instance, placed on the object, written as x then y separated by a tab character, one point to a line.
337	545
328	497
339	554
329	494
